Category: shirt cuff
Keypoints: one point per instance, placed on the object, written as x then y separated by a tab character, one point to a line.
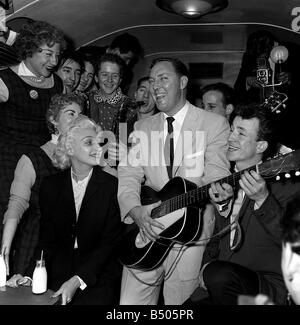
82	284
11	38
224	208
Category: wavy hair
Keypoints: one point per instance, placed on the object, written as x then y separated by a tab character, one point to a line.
62	158
36	33
57	104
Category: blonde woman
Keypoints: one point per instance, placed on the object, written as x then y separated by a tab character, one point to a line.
23	213
80	222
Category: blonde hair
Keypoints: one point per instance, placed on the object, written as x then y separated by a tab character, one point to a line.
62	158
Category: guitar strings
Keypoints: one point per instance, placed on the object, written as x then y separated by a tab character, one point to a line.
174	263
198	194
186	199
221	232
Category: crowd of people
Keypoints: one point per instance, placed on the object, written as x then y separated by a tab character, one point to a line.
145	200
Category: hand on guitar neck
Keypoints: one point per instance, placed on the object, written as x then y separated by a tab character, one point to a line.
254	187
182	221
250	182
220	193
142	217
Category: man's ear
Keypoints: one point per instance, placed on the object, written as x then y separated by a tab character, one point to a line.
135	95
183	82
96	79
261	146
228	109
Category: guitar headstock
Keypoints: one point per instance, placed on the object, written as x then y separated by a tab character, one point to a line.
275	102
281	164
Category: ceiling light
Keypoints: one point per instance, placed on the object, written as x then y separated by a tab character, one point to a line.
192	8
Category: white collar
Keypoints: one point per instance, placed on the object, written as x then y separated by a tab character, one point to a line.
180	115
83	181
24	71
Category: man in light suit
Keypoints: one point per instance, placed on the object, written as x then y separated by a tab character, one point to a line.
199	148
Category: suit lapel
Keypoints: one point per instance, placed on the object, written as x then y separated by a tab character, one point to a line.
67	196
158	126
186	140
92	187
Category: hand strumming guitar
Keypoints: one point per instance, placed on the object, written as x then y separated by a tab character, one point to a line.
142	217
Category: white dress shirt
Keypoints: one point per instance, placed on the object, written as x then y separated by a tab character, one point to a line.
79	188
177	123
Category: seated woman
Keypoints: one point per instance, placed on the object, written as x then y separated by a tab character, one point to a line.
24	191
79	233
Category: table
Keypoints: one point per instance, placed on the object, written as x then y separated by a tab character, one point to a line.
24	296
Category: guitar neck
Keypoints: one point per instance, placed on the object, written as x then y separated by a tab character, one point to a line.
195	196
269	168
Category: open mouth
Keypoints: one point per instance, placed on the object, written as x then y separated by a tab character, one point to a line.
50	68
159	97
232	148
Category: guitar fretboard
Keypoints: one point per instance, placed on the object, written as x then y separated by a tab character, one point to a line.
270	168
194	196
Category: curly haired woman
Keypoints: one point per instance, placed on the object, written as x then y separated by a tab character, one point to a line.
25	92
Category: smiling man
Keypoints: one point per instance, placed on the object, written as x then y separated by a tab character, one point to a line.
219	98
70	67
25	92
246	258
144	101
143	96
200	160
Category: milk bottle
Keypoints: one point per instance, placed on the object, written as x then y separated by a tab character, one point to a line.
39	278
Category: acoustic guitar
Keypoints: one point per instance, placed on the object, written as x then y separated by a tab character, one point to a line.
179	213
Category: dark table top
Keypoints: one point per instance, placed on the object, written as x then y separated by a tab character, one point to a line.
24	296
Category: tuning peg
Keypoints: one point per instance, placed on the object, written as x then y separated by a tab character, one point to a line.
277	178
297	173
278	111
287	175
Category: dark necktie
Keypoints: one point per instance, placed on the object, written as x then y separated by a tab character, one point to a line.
169	146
